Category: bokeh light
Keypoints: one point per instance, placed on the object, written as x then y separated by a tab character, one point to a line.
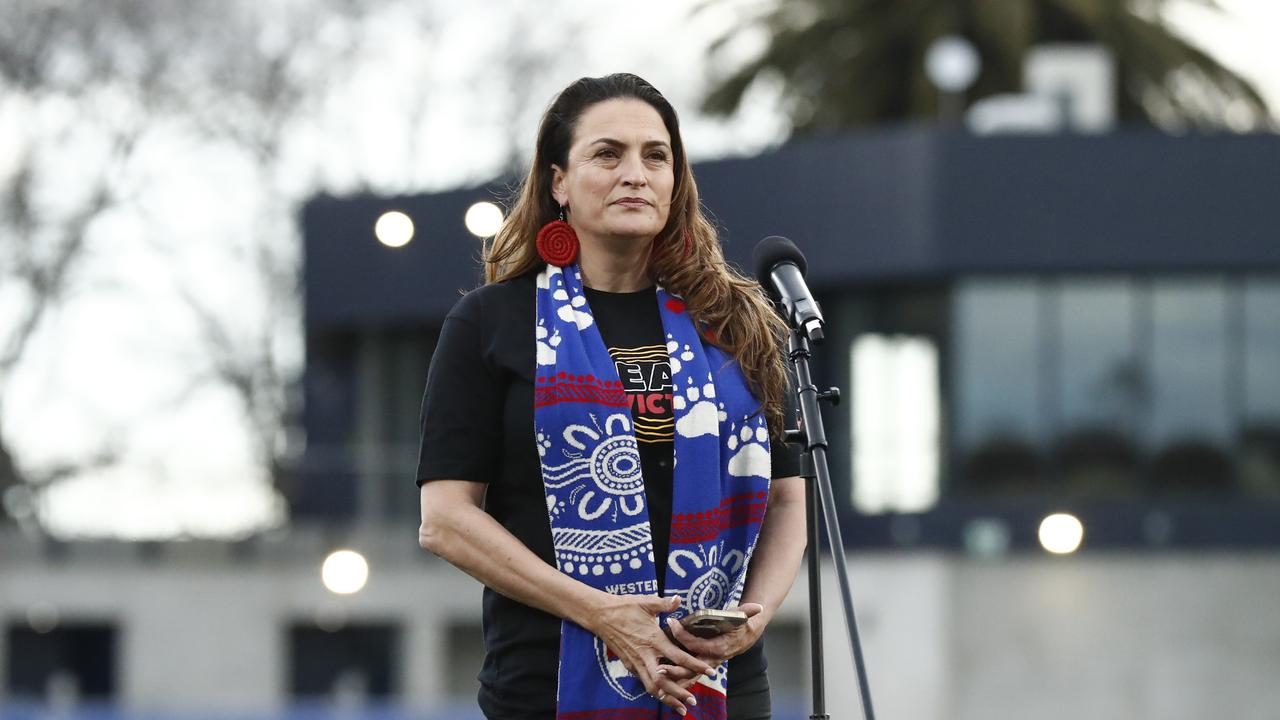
1061	533
394	229
483	219
952	63
344	572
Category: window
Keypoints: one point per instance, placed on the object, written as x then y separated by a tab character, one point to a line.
1191	422
1101	388
391	374
1188	362
895	423
1262	352
350	665
1260	424
1102	382
1000	418
63	664
888	358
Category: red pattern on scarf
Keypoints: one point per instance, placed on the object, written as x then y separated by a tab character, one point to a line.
733	512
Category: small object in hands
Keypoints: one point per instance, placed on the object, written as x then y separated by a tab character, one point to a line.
708	623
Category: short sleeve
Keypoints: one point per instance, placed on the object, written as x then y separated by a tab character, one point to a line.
461	415
784	457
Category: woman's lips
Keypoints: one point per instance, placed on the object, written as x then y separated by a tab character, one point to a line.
632	202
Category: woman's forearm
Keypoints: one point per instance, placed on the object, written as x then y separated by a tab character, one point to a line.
459	531
780	547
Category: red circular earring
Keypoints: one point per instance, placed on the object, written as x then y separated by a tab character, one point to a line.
557	242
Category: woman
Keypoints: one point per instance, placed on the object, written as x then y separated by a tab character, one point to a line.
597	427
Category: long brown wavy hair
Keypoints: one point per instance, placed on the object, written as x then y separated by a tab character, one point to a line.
730	305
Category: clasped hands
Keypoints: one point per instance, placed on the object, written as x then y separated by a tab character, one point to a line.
669	665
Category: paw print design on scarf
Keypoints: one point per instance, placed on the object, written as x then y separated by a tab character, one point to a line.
546	344
703	416
570	303
543	442
677	356
749	446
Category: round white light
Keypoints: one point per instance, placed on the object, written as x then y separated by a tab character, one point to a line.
393	229
1061	533
344	572
952	63
483	219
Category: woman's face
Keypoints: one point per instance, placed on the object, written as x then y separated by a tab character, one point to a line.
619	176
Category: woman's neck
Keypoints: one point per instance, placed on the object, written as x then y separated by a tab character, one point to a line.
619	266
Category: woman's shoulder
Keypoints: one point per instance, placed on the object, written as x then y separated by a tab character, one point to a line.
496	301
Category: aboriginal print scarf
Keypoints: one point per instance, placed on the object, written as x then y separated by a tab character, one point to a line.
595	491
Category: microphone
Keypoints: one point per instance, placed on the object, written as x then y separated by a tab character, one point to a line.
780	268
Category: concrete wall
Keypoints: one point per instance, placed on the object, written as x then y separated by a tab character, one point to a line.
1133	636
1120	636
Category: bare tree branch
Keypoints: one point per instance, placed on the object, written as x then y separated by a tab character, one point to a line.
206	66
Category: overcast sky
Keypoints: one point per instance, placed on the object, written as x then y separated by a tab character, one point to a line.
115	361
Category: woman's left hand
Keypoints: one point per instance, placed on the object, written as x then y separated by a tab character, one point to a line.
716	650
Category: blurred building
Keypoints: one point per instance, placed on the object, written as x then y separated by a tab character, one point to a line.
1021	325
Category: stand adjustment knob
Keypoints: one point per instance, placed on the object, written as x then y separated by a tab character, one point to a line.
831	395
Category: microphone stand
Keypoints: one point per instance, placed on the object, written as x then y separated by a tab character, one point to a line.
812	435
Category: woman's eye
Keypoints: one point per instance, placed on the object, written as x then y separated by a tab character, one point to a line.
607	153
658	156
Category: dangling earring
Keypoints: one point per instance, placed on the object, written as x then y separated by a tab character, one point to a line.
688	242
557	242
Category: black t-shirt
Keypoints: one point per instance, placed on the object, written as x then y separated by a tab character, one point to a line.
477	424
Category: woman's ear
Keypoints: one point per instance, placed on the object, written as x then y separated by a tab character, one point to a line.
557	186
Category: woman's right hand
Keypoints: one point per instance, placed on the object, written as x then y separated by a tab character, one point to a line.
628	625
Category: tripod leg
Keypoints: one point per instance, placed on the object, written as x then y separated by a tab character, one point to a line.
834	539
817	669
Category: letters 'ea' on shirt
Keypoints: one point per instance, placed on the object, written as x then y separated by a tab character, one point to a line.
477	425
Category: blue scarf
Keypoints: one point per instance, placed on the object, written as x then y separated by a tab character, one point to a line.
595	491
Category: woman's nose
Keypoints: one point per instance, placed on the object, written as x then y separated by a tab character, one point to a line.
633	170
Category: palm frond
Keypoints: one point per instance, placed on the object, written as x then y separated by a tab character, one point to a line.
845	63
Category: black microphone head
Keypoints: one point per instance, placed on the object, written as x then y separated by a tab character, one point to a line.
773	250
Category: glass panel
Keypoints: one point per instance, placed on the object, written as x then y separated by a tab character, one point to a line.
1262	351
997	360
1189	361
1101	387
895	420
1101	381
1000	425
1190	422
1260	431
